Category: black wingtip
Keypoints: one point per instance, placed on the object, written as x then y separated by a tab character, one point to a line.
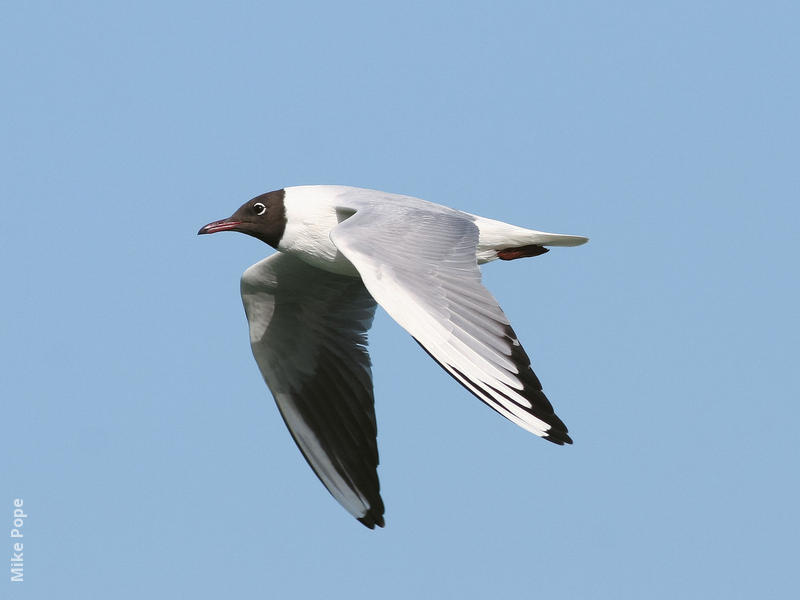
558	437
371	520
374	515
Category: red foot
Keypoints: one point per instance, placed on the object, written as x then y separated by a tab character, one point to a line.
521	252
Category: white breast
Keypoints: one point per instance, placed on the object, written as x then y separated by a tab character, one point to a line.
310	216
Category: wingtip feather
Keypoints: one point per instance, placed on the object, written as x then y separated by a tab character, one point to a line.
372	519
558	437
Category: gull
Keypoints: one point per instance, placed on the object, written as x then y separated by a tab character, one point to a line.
343	250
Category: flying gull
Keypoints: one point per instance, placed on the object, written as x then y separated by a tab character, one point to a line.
342	251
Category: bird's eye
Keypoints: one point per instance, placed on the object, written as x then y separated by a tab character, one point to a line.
259	208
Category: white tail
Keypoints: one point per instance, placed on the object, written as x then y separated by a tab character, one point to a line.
542	238
496	234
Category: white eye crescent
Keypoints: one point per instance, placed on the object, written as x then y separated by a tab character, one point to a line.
259	208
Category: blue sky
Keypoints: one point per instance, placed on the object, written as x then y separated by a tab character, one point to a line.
149	454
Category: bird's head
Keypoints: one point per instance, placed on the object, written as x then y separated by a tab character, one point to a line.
263	217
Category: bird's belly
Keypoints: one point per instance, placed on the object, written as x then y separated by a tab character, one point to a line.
307	236
334	262
313	246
